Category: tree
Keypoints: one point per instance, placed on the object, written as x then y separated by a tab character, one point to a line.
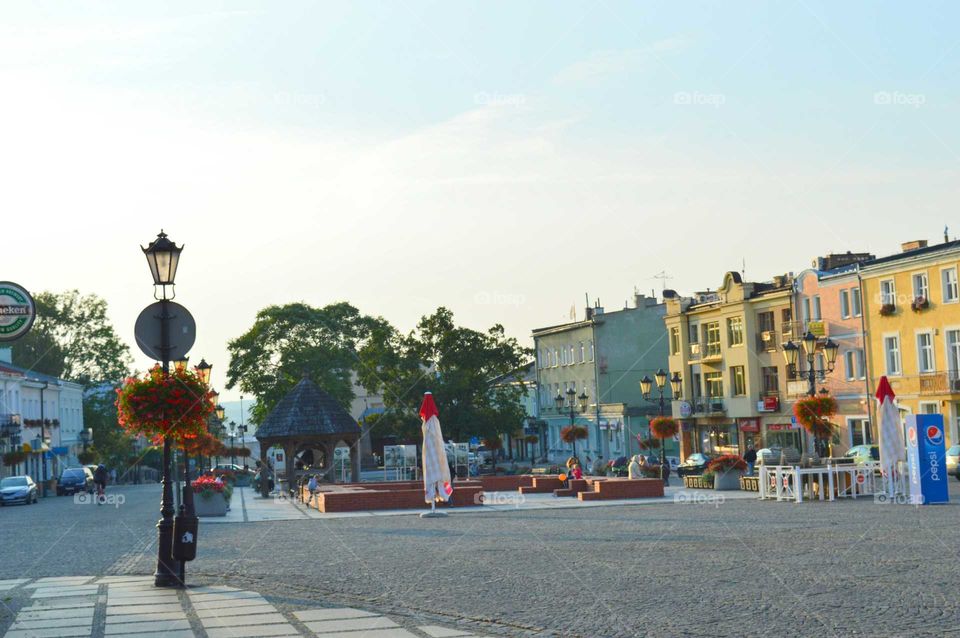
457	364
73	339
286	342
113	445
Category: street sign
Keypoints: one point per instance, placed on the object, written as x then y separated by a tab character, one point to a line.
17	311
183	331
474	440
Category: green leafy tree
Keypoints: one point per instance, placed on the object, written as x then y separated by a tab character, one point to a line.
289	341
457	364
73	339
113	445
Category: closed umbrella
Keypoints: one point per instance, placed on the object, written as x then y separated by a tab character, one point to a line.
436	472
892	450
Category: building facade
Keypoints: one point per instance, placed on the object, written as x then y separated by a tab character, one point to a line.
603	356
28	399
911	304
727	348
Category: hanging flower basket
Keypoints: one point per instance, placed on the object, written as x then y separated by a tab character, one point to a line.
664	427
14	458
573	433
888	309
727	462
919	304
176	405
814	413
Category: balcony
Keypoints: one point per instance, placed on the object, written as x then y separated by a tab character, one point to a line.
708	406
940	383
791	331
768	341
9	424
712	353
694	352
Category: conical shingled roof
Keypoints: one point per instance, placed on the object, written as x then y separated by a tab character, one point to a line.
307	411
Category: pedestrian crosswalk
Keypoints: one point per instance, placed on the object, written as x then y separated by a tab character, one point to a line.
131	607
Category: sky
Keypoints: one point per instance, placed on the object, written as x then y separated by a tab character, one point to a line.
502	159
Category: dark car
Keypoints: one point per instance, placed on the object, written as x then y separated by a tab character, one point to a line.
693	465
75	479
18	489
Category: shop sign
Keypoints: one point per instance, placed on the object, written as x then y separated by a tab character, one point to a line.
685	409
776	427
749	425
770	404
17	311
817	327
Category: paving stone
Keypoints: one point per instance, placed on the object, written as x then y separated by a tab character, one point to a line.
65	593
226	595
60	580
29	613
443	632
11	583
338	613
235	611
68	603
373	633
44	623
240	621
167	615
169	634
113	601
123	629
142	609
352	624
223	604
258	631
125	579
209	589
57	632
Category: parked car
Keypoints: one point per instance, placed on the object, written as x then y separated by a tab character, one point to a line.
18	489
73	480
693	465
953	461
863	453
229	467
772	455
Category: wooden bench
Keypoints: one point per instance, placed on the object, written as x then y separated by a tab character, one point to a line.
616	488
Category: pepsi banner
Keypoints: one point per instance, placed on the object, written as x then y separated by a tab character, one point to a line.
927	459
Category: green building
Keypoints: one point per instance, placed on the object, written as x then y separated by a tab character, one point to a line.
604	356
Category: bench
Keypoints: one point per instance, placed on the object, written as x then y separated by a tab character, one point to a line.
617	488
542	485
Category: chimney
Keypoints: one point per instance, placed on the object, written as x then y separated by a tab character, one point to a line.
913	245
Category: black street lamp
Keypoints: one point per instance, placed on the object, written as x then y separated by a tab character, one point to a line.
163	256
571	403
645	387
233	432
86	435
810	344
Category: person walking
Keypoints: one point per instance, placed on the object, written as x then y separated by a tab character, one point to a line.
751	458
100	478
634	471
313	488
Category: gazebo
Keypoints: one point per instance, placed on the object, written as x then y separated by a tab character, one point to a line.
310	422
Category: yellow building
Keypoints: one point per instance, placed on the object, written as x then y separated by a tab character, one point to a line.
912	318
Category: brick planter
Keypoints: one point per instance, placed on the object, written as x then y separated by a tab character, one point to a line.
505	483
617	488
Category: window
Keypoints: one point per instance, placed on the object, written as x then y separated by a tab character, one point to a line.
855	301
949	279
816	308
953	352
697	387
920	286
580	358
711	334
845	304
806	310
570	359
765	321
925	359
891	348
694	333
714	383
556	357
888	293
675	340
735	331
738	380
591	351
861	364
929	407
849	365
860	433
563	356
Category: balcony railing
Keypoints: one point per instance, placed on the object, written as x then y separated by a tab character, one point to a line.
791	330
694	352
940	383
712	352
768	340
9	424
709	405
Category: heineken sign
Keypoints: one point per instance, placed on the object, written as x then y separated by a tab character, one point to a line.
17	311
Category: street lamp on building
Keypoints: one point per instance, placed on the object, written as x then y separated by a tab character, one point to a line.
571	402
645	386
810	345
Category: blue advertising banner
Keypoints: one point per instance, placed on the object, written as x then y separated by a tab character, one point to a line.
927	459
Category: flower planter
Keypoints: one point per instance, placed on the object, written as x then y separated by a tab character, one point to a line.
729	480
212	505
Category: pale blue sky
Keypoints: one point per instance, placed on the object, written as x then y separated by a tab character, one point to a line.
500	158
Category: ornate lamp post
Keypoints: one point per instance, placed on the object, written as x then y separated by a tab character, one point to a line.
571	403
646	385
810	345
233	433
86	435
163	256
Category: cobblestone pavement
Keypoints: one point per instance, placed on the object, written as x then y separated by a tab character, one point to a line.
742	567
